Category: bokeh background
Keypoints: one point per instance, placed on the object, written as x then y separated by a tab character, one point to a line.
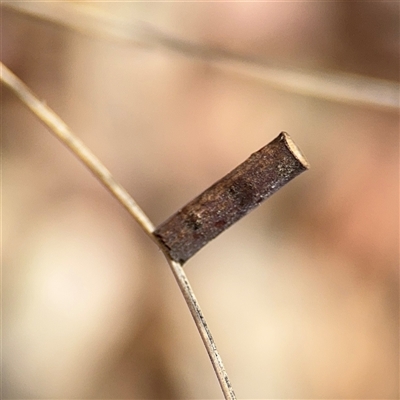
302	295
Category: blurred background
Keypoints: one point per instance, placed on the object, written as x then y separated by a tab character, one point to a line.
301	295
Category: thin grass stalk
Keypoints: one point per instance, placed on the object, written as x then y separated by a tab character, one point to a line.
332	86
59	129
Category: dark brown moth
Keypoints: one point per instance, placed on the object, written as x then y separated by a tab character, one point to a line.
231	198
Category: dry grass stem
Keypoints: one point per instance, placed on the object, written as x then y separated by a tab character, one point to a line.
202	327
64	134
332	86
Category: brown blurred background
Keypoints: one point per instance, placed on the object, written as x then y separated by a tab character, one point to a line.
301	295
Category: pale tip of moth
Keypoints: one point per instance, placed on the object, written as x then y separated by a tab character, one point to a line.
295	150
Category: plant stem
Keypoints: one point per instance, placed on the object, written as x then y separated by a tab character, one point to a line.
333	86
79	149
203	329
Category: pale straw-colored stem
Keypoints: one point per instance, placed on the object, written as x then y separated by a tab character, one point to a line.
332	86
68	138
63	133
203	329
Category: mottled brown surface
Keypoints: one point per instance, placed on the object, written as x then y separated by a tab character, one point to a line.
229	199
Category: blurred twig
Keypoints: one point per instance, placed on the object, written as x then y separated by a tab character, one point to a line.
68	138
333	86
